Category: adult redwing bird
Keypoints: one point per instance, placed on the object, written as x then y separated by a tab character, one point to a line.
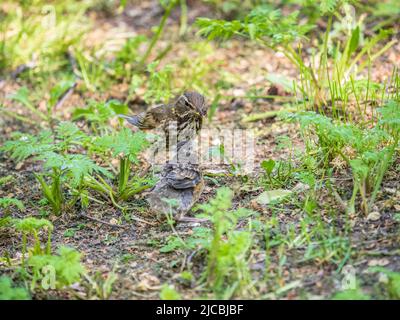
182	182
187	111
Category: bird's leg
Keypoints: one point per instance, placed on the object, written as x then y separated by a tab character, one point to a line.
182	218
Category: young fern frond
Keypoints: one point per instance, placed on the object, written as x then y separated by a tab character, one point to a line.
24	146
328	6
125	143
73	166
372	150
11	202
269	26
61	166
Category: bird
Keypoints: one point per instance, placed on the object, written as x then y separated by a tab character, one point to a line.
187	112
182	182
181	178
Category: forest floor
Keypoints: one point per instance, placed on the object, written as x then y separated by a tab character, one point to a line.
132	249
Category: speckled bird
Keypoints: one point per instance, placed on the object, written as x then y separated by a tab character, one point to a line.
187	111
182	182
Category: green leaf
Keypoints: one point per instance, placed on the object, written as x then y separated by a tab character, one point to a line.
78	166
328	6
125	142
66	264
356	294
354	40
360	168
8	202
252	30
268	197
30	224
169	293
8	292
173	243
268	165
263	23
58	90
21	96
24	146
394	281
118	107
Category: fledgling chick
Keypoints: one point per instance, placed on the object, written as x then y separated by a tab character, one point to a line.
182	182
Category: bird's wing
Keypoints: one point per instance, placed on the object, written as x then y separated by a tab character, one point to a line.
183	178
151	118
136	120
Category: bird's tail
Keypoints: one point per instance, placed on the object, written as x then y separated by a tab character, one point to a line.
131	119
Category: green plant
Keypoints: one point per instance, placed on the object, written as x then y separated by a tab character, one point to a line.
278	173
125	145
128	57
198	240
325	244
8	292
38	264
263	25
93	71
23	96
32	226
227	271
63	168
31	29
66	265
5	180
168	292
355	294
393	283
102	286
6	203
98	114
168	5
159	83
368	151
272	29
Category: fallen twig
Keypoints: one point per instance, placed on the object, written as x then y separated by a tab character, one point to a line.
65	96
81	214
266	115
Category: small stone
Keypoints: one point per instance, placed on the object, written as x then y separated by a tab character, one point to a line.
19	165
390	190
301	187
113	221
378	262
374	216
